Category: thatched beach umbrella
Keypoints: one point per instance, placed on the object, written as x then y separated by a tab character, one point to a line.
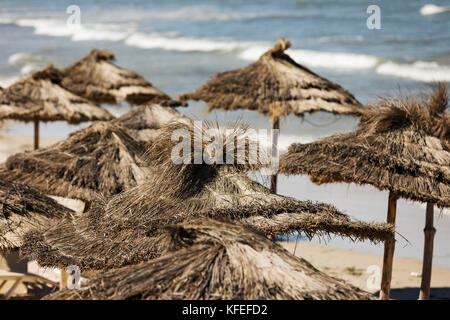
124	229
23	209
276	86
97	79
400	146
100	159
145	121
213	260
39	97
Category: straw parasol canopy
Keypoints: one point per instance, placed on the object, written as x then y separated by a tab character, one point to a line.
123	229
23	209
217	260
145	121
39	97
398	146
97	79
401	145
276	86
100	159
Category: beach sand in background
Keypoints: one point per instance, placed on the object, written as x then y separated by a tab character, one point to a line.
12	144
353	267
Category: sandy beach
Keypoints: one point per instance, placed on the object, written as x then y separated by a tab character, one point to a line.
353	266
11	144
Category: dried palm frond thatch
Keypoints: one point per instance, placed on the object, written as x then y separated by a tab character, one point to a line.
97	79
124	229
145	121
40	97
23	209
398	146
275	85
401	145
100	159
217	260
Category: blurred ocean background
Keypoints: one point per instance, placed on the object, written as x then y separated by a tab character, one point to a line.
178	45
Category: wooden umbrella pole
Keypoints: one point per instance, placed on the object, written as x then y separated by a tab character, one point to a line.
427	254
36	134
389	247
273	182
63	279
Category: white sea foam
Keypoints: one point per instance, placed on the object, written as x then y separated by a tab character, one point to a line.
432	9
333	60
199	13
5	20
29	68
27	62
100	33
86	32
341	37
19	57
184	44
250	51
419	70
254	52
49	27
203	13
318	59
